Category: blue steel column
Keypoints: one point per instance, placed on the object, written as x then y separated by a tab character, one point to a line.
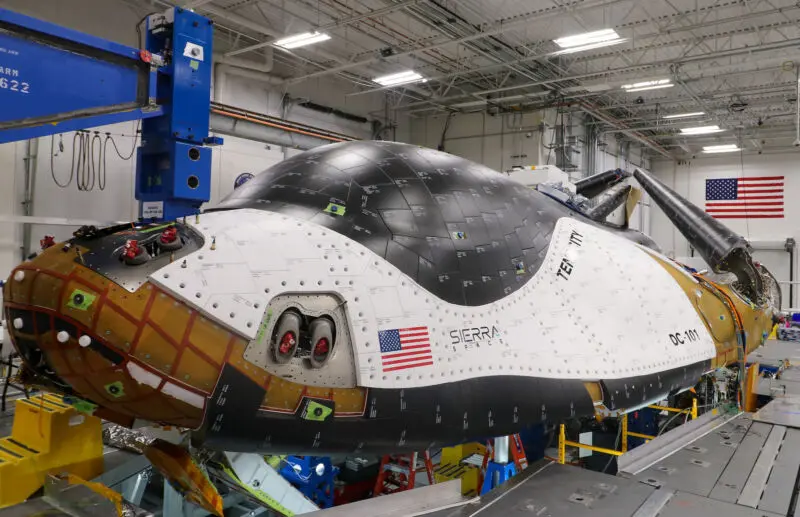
173	171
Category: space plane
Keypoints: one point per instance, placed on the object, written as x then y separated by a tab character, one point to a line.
375	296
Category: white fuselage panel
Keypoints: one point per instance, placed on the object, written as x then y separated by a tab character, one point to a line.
599	307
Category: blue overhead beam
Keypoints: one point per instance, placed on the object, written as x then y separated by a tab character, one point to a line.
54	79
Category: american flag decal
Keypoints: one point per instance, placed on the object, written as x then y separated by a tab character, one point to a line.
745	198
402	349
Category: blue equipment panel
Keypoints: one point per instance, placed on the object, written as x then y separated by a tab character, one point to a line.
314	476
172	162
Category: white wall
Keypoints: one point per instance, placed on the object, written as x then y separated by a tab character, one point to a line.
688	179
499	141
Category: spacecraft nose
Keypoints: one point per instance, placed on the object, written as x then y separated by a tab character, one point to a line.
88	323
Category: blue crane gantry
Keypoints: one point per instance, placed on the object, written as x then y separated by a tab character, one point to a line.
54	79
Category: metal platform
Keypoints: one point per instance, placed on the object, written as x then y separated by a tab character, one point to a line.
774	354
736	465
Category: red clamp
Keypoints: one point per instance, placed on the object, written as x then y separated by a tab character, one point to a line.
131	250
48	241
169	235
145	56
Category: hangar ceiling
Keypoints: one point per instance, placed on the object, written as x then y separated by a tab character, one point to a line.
733	61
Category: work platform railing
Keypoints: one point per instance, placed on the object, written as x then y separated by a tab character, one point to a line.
563	443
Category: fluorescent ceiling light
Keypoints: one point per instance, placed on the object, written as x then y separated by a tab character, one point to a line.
685	115
301	40
727	148
409	76
648	85
589	46
586	88
587	38
700	130
654	87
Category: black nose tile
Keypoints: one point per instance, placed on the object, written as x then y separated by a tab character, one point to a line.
42	322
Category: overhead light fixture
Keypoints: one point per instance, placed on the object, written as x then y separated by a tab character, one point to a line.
587	38
589	46
409	76
301	40
726	148
700	130
648	85
588	41
685	115
586	88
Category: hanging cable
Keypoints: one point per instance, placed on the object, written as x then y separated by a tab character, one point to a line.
89	164
133	148
95	166
77	155
52	156
85	148
139	40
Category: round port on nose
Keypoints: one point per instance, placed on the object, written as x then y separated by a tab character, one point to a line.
287	337
322	331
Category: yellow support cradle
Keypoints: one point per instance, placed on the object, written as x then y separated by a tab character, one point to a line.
451	467
48	437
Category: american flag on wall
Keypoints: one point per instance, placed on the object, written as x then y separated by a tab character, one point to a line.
402	349
745	198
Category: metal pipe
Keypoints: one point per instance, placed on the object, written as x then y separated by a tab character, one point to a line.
797	102
268	133
261	29
196	3
700	103
791	244
264	68
249	74
592	110
29	185
501	450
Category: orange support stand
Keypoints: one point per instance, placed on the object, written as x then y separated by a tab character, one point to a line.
398	472
518	453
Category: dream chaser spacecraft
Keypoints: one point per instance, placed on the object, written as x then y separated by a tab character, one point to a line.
378	296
